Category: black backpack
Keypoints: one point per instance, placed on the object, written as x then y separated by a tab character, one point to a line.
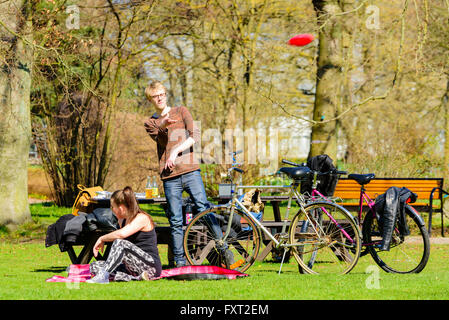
327	183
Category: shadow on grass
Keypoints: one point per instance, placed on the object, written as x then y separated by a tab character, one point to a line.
58	269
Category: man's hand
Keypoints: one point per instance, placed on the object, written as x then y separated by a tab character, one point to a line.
166	121
170	164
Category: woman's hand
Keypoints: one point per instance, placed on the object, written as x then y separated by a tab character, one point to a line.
99	246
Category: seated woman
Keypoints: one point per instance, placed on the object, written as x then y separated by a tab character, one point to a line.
134	254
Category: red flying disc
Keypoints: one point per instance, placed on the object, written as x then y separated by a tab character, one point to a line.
301	40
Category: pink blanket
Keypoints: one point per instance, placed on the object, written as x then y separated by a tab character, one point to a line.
81	273
77	273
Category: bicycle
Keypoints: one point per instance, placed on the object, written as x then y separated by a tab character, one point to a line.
403	256
228	235
314	195
406	255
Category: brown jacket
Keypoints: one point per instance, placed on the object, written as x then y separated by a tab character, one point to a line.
172	136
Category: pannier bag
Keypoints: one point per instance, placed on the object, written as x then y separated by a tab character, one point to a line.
327	184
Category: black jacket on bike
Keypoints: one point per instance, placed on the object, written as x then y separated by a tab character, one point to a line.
389	208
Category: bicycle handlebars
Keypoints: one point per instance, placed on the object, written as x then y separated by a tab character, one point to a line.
235	152
234	162
238	170
292	163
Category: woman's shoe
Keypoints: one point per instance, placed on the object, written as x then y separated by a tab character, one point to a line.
146	276
102	277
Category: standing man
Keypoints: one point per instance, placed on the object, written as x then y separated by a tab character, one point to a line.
173	130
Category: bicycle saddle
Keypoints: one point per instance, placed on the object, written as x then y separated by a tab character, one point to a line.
362	178
295	173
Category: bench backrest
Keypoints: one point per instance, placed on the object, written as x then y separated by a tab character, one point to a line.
350	189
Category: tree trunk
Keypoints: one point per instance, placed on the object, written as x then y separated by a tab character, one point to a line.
446	135
329	79
15	126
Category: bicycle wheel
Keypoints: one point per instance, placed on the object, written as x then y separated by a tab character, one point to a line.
204	245
325	239
407	254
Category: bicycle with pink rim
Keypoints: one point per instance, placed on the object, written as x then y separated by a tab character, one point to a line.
409	248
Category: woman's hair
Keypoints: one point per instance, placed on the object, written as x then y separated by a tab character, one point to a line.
128	199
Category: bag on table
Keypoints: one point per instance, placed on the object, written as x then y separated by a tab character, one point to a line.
83	201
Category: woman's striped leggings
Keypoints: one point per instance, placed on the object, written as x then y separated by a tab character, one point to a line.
126	262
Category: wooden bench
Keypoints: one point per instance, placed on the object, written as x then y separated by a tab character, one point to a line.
427	189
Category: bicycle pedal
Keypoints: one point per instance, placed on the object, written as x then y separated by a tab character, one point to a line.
237	264
364	252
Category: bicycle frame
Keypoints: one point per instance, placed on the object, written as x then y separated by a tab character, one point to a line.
292	192
316	192
234	201
370	203
363	198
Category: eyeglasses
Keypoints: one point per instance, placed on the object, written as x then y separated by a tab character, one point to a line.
158	95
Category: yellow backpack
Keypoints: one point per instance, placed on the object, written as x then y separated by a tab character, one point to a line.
83	201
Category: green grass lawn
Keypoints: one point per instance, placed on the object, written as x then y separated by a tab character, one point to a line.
25	265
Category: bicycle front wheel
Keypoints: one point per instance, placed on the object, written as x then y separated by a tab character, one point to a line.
325	239
407	254
204	243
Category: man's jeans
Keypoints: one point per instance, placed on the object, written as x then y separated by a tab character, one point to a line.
173	188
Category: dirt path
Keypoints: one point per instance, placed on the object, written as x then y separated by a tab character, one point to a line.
32	201
433	240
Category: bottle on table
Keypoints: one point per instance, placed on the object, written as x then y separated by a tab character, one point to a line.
148	189
155	188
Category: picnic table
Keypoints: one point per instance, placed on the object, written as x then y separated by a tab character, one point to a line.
88	240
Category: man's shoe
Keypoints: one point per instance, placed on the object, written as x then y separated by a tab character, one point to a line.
229	258
102	277
180	264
